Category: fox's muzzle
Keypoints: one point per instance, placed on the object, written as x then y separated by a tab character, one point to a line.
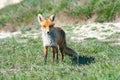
48	32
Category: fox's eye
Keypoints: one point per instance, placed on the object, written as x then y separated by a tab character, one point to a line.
43	25
51	25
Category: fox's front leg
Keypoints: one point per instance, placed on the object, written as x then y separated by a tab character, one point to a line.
45	53
55	52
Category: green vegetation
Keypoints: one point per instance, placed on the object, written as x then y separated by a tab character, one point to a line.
106	10
25	28
21	58
25	12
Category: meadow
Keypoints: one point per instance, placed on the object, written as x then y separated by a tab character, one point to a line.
21	58
17	15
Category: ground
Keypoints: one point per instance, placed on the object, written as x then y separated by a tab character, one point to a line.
4	3
100	31
21	55
98	46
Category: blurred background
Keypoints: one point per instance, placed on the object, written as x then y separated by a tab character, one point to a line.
20	14
4	3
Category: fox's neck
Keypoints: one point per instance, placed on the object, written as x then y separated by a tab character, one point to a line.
49	39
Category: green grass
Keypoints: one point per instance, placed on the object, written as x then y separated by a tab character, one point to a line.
25	13
21	58
106	10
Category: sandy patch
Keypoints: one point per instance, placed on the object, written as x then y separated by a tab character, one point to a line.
100	31
4	3
95	30
8	34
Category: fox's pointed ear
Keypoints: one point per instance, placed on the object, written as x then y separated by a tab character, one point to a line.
40	18
52	17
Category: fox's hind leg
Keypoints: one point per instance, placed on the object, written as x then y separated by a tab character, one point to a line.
56	51
62	54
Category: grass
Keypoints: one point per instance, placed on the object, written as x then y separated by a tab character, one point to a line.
21	58
106	10
25	13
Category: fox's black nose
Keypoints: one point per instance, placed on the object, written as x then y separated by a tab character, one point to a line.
48	32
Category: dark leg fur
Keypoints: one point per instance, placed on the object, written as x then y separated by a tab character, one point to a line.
62	54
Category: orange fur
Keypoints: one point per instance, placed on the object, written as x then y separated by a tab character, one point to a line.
47	25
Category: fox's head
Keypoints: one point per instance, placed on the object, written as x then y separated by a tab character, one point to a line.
46	23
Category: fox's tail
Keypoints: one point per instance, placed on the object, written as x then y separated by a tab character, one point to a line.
70	52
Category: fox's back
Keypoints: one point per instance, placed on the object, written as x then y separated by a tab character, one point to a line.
61	36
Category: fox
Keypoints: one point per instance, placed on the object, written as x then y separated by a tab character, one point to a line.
54	38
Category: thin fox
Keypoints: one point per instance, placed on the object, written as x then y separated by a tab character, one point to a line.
54	37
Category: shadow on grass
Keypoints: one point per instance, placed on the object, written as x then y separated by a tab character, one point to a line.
83	60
